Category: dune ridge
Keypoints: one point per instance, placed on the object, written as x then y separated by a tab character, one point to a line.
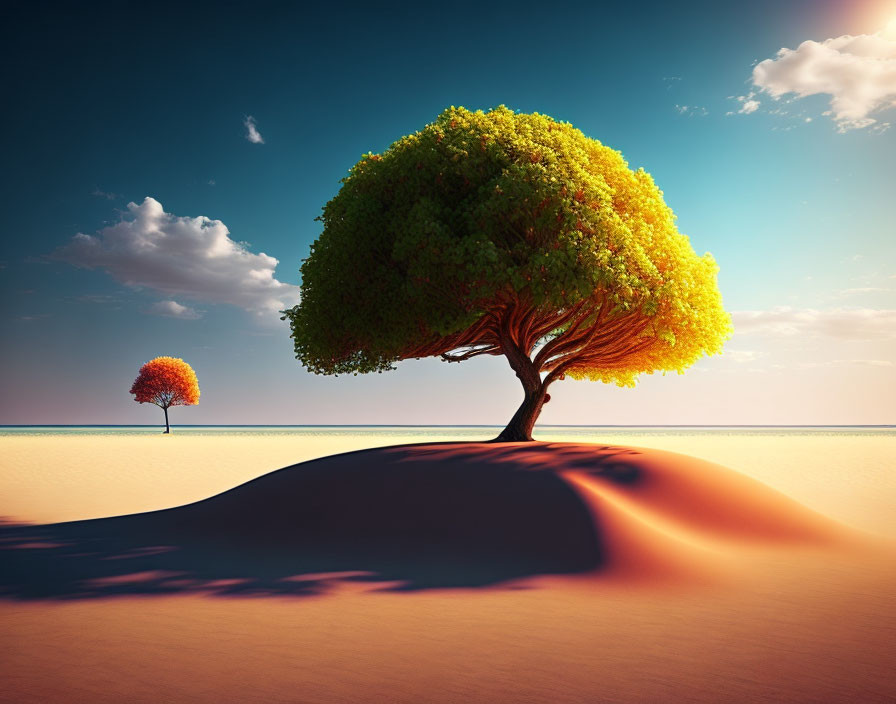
663	516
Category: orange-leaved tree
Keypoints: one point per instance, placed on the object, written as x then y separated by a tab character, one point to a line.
503	233
166	382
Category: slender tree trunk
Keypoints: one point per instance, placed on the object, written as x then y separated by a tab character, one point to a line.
167	427
519	429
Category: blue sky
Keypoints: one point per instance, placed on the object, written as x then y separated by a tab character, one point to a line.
119	105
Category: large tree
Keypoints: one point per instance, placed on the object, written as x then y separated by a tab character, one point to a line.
505	233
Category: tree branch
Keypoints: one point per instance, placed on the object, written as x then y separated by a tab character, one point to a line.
605	355
568	336
598	335
468	354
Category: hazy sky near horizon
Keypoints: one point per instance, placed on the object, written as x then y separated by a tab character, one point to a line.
164	167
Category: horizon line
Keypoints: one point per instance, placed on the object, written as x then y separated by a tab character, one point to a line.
443	425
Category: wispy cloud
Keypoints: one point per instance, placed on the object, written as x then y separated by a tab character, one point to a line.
846	363
840	323
742	356
103	194
697	110
671	81
181	256
98	298
857	72
748	104
252	133
862	290
173	309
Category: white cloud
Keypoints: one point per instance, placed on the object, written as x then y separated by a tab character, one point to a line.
748	104
252	133
181	256
173	309
841	323
858	72
698	110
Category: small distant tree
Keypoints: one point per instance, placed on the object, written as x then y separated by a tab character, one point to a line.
166	382
502	233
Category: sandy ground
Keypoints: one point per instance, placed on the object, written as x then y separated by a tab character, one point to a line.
772	622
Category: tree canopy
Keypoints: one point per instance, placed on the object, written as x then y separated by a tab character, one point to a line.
511	234
166	382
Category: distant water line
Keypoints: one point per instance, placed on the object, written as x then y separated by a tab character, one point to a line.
446	432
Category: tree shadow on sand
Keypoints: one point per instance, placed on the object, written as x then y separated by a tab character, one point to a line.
407	516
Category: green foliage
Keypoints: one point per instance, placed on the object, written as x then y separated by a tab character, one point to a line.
479	209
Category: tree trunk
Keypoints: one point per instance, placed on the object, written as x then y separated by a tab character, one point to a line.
519	429
167	427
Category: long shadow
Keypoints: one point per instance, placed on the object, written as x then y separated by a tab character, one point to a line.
389	515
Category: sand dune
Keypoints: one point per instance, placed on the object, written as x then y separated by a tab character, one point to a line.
428	516
546	572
